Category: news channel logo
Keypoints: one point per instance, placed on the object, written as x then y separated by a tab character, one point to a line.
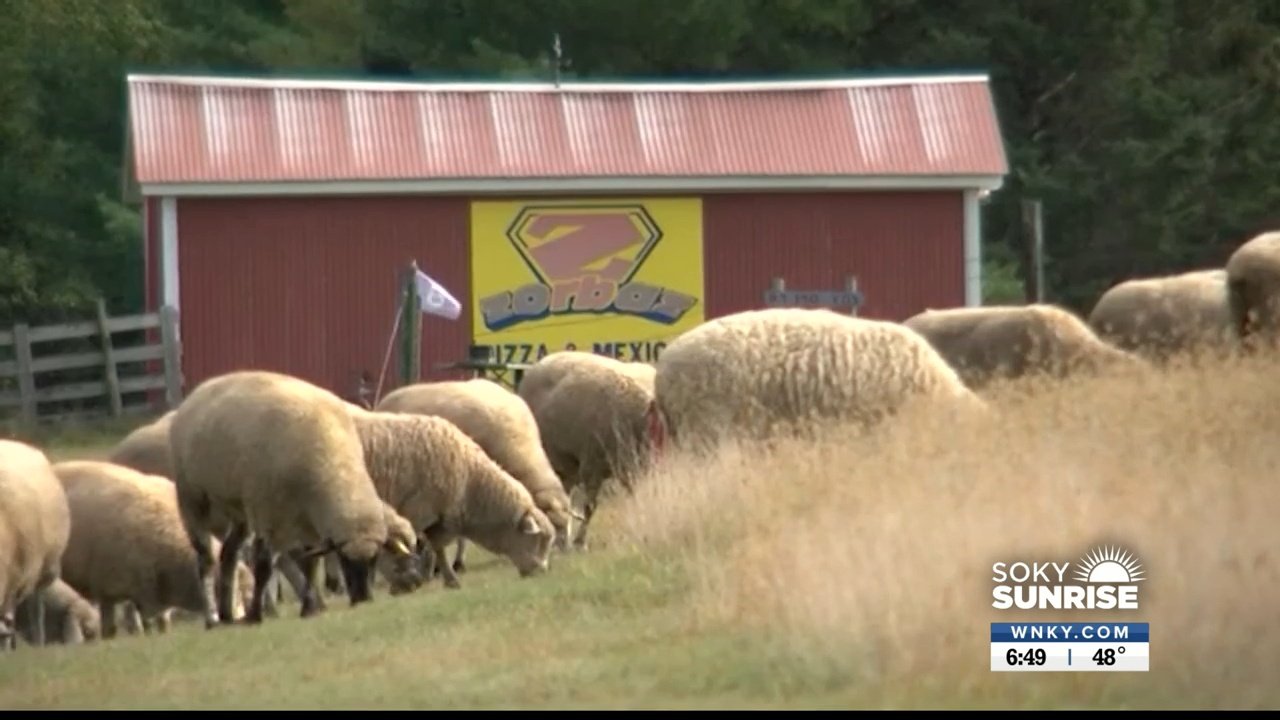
1105	578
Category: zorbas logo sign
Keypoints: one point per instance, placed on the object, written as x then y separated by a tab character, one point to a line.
584	260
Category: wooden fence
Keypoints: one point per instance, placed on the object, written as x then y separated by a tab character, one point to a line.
90	372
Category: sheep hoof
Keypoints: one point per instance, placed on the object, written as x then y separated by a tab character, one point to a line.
459	566
452	583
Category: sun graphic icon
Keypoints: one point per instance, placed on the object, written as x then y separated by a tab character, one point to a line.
1109	565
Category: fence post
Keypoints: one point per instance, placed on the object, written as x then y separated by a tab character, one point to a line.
169	337
851	286
26	377
411	321
109	362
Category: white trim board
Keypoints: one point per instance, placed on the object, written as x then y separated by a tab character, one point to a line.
169	251
577	185
972	249
637	87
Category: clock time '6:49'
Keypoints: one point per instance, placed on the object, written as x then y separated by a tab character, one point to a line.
1034	656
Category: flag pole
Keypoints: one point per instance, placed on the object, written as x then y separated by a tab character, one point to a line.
411	350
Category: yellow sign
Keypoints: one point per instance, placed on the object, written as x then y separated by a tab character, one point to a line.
615	277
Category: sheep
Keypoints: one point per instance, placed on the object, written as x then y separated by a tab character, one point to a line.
35	527
590	410
1015	342
146	449
761	374
1162	318
277	457
70	619
504	426
1253	285
435	475
127	543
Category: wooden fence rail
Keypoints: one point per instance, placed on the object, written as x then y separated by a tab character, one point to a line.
28	365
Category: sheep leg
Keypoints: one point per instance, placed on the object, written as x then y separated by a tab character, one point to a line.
71	634
263	564
227	561
8	631
106	610
333	574
588	510
37	608
304	572
458	565
438	538
132	618
357	576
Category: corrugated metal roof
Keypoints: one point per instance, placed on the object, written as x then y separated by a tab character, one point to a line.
226	130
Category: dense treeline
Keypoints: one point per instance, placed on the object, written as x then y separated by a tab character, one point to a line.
1146	127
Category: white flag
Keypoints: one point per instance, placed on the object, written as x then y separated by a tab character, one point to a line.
435	299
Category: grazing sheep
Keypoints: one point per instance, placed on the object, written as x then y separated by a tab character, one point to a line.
765	373
1012	342
591	414
35	527
432	473
1163	317
69	618
502	424
1253	282
277	458
127	543
146	450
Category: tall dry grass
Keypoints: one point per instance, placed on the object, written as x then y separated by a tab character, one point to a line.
870	556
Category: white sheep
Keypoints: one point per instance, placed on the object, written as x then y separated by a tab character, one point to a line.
763	373
1161	318
1004	343
35	526
1253	282
442	481
279	458
591	414
502	424
69	618
127	544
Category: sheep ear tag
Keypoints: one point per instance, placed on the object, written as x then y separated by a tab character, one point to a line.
400	548
528	525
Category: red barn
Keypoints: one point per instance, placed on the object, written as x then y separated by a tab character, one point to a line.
280	214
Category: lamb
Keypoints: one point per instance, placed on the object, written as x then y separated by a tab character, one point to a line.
127	543
279	458
35	527
1162	318
761	374
432	473
1008	343
591	414
502	424
1253	283
69	619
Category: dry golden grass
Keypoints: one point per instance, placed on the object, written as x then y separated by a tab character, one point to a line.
868	559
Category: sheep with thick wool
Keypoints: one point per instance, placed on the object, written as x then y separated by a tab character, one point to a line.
504	427
35	527
127	543
591	415
445	484
146	449
1000	343
761	374
280	459
69	618
1162	318
1253	286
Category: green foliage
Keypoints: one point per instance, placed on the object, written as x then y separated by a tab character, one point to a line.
1145	127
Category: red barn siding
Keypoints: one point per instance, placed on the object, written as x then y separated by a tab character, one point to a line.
906	248
310	286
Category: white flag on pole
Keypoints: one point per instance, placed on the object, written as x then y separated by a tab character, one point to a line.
435	299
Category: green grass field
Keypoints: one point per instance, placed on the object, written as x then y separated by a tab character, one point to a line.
848	572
